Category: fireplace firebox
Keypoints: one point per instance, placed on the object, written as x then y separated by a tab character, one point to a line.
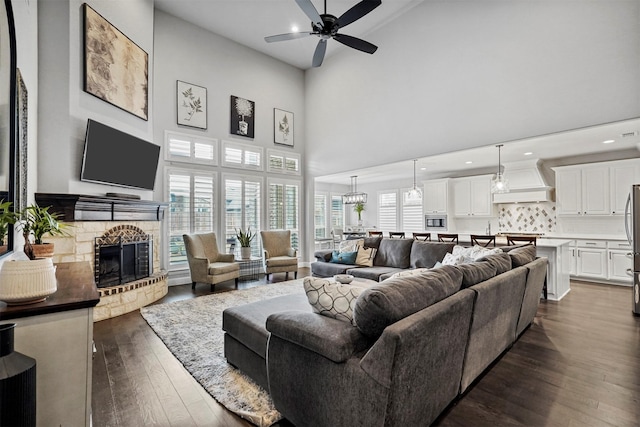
123	255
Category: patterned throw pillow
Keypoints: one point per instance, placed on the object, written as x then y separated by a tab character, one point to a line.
350	245
343	257
450	259
475	252
412	272
330	298
365	256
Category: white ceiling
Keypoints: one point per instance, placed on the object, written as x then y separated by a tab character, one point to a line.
248	21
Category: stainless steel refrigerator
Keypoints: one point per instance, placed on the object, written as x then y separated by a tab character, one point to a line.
632	226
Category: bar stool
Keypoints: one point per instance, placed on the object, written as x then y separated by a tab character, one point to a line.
483	240
422	236
446	237
375	233
514	240
396	234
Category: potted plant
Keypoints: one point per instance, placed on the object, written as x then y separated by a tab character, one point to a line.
245	239
358	208
37	221
7	217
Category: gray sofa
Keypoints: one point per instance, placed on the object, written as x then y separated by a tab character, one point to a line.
392	255
419	342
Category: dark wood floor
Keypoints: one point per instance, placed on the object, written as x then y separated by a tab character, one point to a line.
577	365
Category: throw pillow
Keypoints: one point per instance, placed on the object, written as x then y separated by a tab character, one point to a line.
475	252
365	256
522	255
331	299
343	257
407	273
350	245
450	259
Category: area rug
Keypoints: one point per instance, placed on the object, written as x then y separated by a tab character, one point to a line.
192	331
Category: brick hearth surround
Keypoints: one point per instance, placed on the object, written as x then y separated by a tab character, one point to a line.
79	245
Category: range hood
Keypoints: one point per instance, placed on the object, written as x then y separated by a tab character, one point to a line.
526	183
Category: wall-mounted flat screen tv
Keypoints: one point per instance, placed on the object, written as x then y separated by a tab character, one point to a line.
117	158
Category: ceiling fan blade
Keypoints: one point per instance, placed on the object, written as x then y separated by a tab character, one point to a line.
288	36
358	11
318	55
310	10
356	43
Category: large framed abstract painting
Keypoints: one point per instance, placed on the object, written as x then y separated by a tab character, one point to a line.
282	127
242	117
192	105
115	68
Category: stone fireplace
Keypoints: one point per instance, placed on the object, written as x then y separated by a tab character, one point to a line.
130	233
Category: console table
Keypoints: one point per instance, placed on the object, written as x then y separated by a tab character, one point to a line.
58	333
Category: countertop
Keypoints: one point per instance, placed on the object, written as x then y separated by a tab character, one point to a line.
76	289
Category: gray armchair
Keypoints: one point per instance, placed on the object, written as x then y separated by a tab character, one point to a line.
279	256
206	263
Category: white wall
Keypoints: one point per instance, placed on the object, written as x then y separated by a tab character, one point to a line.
451	75
190	54
64	107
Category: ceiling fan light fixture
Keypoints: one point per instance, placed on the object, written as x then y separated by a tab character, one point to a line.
353	196
499	183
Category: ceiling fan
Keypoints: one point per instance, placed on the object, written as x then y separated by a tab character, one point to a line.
326	26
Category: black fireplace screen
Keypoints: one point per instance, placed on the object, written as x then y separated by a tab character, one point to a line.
122	259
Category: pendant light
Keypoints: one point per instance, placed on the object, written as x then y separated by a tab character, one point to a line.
414	194
353	196
499	184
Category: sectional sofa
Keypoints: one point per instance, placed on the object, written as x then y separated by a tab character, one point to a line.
414	342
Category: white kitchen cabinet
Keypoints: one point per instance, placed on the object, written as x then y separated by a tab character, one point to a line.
592	262
622	176
595	189
618	263
436	196
472	196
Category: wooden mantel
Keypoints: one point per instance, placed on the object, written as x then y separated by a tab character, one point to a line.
77	207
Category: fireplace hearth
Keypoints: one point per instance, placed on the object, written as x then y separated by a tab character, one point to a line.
123	254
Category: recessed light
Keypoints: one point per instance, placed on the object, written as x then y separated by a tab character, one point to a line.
528	153
468	162
423	169
294	29
608	141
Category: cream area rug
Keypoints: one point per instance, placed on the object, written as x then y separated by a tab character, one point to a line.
192	331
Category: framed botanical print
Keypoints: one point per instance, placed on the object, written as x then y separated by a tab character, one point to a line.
191	105
242	117
282	127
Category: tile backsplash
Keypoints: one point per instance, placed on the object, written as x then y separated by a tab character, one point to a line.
527	217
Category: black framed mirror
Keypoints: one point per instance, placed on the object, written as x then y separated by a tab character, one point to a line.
8	117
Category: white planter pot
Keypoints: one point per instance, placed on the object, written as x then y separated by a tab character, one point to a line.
26	282
245	253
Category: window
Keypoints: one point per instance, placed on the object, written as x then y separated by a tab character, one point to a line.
284	205
387	211
243	156
337	212
283	162
242	199
320	216
191	208
181	147
411	213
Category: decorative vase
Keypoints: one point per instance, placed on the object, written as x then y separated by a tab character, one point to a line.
243	127
17	382
44	250
245	252
27	282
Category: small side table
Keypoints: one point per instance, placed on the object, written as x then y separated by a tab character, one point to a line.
250	268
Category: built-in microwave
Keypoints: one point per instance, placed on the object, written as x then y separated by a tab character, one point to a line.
435	222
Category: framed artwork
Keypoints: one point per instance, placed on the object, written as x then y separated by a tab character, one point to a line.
192	105
282	127
22	149
115	68
242	117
